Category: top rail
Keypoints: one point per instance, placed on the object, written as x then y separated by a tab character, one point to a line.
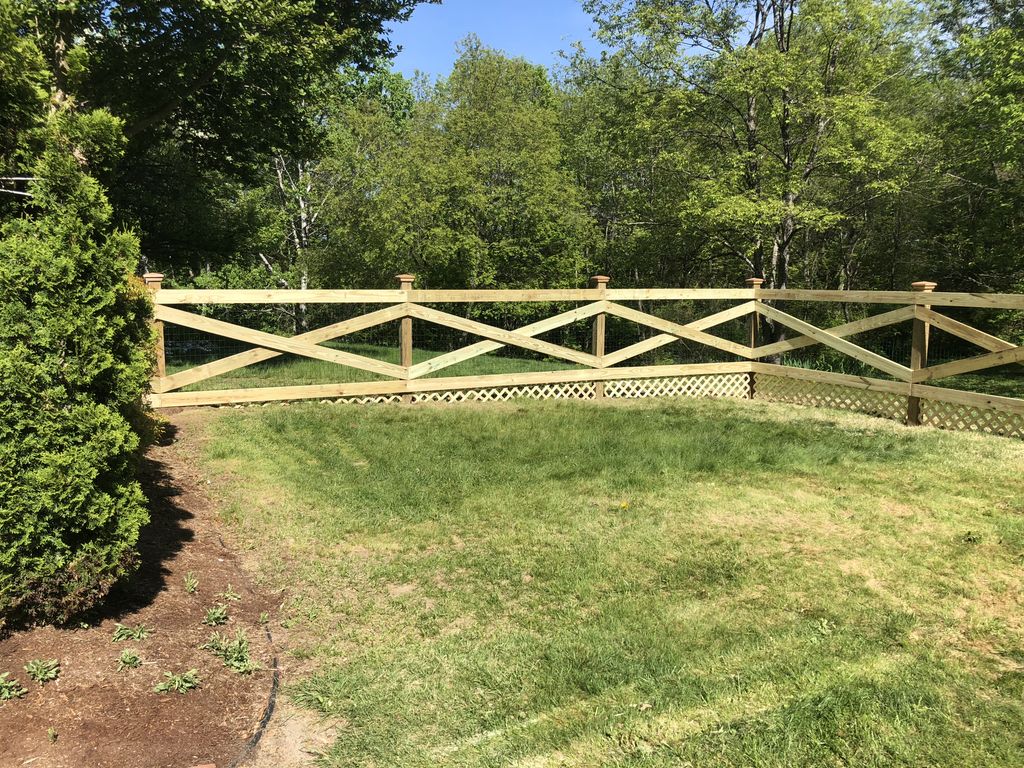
350	296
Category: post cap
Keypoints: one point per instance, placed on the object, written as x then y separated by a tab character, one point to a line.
755	282
600	280
404	279
924	285
153	278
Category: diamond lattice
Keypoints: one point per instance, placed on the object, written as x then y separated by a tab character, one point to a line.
782	389
971	418
714	385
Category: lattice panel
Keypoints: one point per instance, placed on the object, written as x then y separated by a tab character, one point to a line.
367	400
782	389
572	390
714	385
972	419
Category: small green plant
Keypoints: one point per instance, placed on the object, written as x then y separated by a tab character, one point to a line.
191	583
43	670
138	632
264	618
182	683
216	616
229	594
10	689
129	659
234	653
51	735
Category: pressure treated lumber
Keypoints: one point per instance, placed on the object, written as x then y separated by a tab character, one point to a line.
830	340
368	388
483	347
842	331
497	334
703	324
276	343
680	331
249	357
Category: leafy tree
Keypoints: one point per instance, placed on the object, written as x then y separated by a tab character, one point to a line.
772	97
470	190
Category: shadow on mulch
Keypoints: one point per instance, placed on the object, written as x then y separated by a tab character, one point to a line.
160	540
97	716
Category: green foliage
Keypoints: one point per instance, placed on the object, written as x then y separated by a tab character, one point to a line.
23	92
229	594
74	361
216	616
129	659
191	583
43	670
123	632
179	683
234	653
10	689
468	190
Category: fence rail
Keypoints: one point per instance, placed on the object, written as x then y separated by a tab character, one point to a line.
598	372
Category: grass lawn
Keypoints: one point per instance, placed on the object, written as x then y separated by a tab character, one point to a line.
687	583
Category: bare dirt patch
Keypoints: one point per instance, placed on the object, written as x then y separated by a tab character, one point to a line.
96	716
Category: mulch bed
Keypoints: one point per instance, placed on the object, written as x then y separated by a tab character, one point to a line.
101	717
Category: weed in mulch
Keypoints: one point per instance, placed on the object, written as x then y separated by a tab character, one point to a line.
10	689
216	616
138	632
129	659
191	583
182	683
229	594
234	653
43	670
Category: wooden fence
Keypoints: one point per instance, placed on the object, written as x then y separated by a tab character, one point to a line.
898	391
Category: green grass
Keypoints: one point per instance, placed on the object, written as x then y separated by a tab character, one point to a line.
289	370
691	583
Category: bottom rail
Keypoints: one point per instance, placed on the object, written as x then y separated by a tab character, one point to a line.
940	407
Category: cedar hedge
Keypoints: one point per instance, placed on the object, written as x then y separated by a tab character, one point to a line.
75	353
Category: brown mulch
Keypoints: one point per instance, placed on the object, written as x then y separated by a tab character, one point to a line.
101	717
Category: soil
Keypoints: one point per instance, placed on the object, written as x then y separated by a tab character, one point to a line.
94	716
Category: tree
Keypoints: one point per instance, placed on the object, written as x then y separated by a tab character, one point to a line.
75	357
772	96
469	189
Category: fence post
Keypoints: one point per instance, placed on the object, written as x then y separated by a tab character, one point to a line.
754	332
600	321
153	281
918	351
405	330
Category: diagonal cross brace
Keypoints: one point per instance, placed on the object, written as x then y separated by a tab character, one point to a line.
251	356
842	331
276	343
483	347
512	338
740	310
866	356
681	331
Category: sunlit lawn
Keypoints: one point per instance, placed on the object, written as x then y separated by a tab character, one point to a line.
700	583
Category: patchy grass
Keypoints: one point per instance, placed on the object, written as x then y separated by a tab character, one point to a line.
658	584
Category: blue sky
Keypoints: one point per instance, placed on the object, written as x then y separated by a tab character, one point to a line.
533	29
